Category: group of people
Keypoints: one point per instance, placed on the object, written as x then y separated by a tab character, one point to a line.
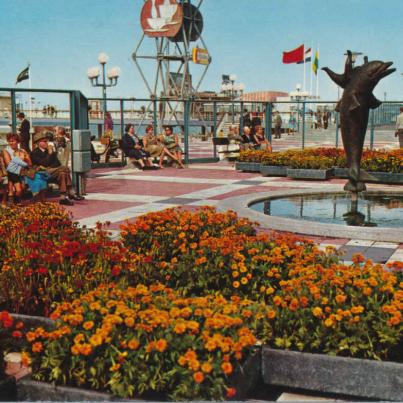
22	169
142	151
252	137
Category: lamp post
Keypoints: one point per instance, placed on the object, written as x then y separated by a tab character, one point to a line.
113	74
233	90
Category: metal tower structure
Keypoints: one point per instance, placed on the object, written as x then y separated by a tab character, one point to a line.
174	25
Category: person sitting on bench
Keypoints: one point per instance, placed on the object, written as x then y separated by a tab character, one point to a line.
132	147
44	155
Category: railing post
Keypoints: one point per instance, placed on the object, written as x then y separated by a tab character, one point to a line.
122	123
186	133
268	118
241	119
155	117
215	127
75	177
372	131
13	112
337	129
303	124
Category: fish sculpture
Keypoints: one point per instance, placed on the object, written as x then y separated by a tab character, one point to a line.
358	83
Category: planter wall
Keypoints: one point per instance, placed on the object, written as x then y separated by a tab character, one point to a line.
273	170
387	177
8	389
323	373
379	177
316	174
29	390
34	321
247	166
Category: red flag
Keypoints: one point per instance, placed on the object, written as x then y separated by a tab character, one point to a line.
294	56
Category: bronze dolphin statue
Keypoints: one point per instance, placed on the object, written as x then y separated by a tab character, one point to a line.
358	83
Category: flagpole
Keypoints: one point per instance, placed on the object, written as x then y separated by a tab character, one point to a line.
31	129
317	77
304	70
311	76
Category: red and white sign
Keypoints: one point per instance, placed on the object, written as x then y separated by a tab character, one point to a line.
161	18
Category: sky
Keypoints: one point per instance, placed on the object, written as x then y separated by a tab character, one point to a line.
62	38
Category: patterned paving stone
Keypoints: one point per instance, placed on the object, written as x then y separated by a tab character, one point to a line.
179	200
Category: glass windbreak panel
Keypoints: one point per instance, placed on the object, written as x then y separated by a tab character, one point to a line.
383	120
369	211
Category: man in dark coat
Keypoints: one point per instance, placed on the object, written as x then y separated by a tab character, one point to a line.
24	132
44	155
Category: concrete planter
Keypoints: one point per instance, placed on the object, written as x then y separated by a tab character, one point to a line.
315	174
8	389
244	380
29	390
387	177
324	373
34	321
341	172
247	166
273	170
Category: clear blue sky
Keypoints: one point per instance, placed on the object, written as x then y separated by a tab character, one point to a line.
62	38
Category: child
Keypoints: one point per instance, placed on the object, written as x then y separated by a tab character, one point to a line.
36	181
14	174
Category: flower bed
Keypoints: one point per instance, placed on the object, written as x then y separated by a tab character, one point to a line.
313	158
46	258
137	340
130	340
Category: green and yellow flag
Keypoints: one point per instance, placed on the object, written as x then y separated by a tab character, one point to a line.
315	64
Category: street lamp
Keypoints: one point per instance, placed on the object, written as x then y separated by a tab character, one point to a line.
233	90
113	74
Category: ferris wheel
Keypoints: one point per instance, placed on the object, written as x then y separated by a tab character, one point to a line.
176	27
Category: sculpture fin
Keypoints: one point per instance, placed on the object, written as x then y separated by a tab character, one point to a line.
365	176
339	79
348	68
354	103
373	103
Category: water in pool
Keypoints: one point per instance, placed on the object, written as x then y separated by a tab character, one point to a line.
368	211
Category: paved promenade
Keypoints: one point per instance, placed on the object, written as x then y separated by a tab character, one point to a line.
117	195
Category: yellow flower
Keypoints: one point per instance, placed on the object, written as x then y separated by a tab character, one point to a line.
95	340
88	325
317	311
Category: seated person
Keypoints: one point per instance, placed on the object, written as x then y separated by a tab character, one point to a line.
132	147
37	182
171	142
260	140
247	139
154	147
46	156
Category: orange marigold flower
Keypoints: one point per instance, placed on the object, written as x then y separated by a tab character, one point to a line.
75	349
96	340
236	284
227	368
182	361
198	377
37	347
317	311
25	359
340	298
161	345
231	392
271	314
277	300
206	367
180	328
357	309
30	336
133	344
114	367
129	322
294	304
88	325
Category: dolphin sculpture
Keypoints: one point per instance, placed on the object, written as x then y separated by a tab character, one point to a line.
358	84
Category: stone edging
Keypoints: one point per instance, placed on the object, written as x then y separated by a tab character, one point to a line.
329	374
240	205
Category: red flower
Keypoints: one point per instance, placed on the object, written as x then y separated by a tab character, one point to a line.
231	392
16	334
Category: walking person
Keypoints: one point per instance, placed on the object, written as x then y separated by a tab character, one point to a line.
277	125
24	132
399	127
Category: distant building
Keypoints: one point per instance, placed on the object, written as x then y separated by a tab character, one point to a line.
5	106
263	96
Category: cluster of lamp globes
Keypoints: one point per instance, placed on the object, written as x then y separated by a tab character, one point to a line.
231	86
113	73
